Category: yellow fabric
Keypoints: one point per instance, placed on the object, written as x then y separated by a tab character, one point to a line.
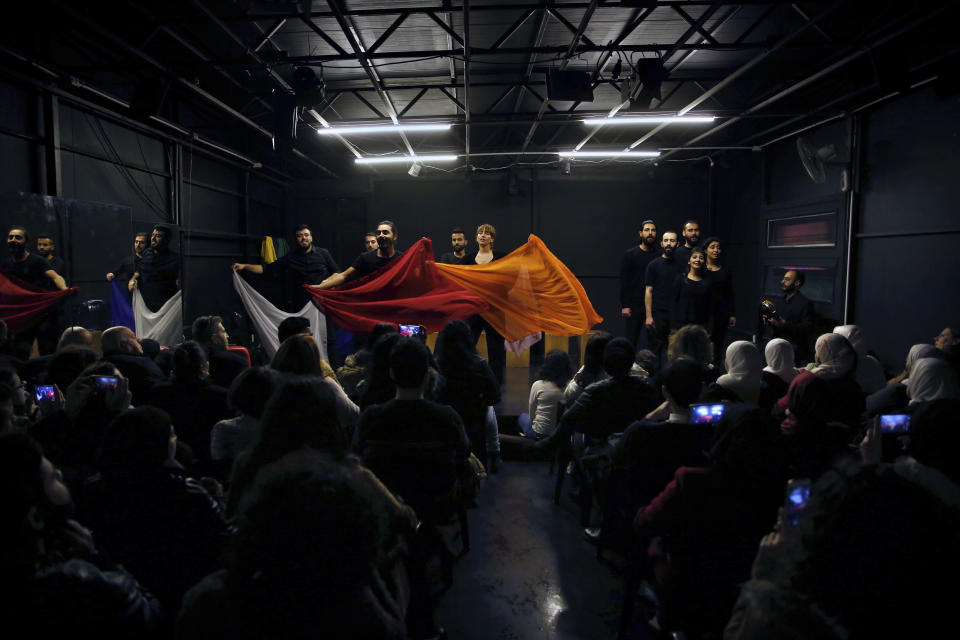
267	253
528	290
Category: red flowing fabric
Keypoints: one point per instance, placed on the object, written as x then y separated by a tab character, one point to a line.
21	303
408	290
528	290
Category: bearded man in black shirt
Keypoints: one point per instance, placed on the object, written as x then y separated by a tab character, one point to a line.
158	274
633	270
795	316
306	264
367	263
34	270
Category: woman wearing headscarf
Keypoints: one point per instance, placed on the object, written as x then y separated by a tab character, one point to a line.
869	374
893	396
744	371
835	362
812	443
779	372
932	379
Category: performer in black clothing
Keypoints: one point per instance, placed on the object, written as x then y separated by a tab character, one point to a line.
34	270
459	243
367	263
691	299
496	350
795	316
722	305
306	264
131	264
633	273
370	241
691	239
660	282
159	274
45	247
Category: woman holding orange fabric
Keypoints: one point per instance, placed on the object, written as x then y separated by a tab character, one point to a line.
496	351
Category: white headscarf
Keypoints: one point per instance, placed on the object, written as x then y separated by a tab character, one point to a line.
744	370
918	351
779	355
835	357
869	373
931	379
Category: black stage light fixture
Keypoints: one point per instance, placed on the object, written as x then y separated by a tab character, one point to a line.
617	68
308	88
285	115
650	76
572	86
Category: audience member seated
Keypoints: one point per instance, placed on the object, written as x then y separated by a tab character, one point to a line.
812	441
419	449
868	557
6	408
34	369
470	387
161	525
293	326
743	381
645	364
213	337
546	396
121	347
709	522
22	409
318	553
151	348
934	437
54	580
193	403
894	395
693	341
378	386
611	405
301	413
66	366
779	372
355	366
77	337
948	341
247	396
592	369
869	373
835	362
931	379
299	355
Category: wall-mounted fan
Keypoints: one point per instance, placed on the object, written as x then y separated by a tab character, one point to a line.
816	161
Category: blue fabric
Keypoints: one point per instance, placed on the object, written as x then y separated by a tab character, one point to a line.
121	309
526	426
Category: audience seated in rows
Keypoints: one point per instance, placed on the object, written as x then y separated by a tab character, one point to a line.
247	396
931	379
209	333
743	381
780	371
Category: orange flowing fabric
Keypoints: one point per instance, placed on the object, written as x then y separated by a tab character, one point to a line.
528	290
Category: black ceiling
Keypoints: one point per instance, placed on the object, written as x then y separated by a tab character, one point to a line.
764	69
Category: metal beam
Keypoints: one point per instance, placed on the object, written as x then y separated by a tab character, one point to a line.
512	28
269	33
386	34
51	139
360	97
510	87
330	41
453	99
443	25
416	98
698	25
577	33
466	79
692	29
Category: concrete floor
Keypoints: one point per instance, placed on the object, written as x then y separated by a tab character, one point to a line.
530	573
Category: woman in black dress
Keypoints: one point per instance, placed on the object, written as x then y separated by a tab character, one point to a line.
721	293
496	351
691	303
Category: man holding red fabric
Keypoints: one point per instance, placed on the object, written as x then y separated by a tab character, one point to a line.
367	263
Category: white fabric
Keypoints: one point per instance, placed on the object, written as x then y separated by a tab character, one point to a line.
266	317
165	325
931	379
517	347
744	367
869	374
545	398
779	355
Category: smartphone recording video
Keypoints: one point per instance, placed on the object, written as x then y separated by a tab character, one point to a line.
895	423
704	413
413	330
106	382
44	393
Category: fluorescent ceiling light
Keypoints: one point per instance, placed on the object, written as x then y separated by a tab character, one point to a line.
382	128
608	154
600	122
420	159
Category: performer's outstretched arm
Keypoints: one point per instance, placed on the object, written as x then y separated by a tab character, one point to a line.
253	268
334	280
57	279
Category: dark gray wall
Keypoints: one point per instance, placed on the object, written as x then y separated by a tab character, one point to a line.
905	234
587	219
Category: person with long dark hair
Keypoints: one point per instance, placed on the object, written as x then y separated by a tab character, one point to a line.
722	312
496	351
691	301
592	369
546	395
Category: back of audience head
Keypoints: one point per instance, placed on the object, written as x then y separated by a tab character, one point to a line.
743	363
66	366
251	390
809	403
207	331
556	368
190	362
779	355
120	340
6	407
691	341
618	358
834	358
298	355
681	381
948	339
455	346
409	360
931	379
593	358
11	379
300	413
648	361
934	436
379	330
164	360
292	326
746	439
379	370
138	441
151	348
75	337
